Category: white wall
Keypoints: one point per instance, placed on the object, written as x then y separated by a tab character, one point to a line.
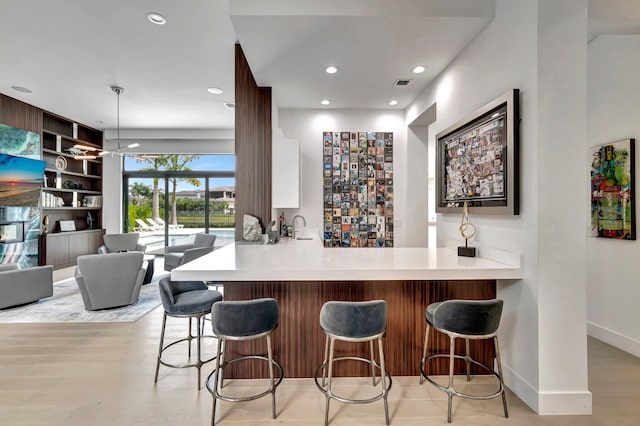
307	125
528	46
612	266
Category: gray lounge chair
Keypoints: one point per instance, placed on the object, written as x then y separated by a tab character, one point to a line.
175	256
22	286
109	280
116	243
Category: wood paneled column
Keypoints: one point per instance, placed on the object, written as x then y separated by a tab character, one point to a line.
252	145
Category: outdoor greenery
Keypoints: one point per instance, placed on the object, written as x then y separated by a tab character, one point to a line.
148	202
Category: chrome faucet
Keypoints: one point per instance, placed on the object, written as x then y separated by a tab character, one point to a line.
293	223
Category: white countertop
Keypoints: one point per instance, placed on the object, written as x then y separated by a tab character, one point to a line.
308	260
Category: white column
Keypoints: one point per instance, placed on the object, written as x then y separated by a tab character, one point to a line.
562	199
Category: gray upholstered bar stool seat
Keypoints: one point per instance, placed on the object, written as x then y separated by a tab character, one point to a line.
185	299
469	320
353	322
241	321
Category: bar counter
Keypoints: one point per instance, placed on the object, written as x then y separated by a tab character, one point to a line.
302	275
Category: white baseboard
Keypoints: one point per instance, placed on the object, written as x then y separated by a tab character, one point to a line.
547	403
613	338
565	403
522	388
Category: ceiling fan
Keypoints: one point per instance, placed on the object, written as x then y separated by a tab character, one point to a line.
87	152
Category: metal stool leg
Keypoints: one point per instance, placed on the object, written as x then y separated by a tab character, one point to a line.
224	348
373	370
468	360
199	349
450	388
326	413
271	380
424	354
215	382
189	337
383	378
324	361
499	362
164	323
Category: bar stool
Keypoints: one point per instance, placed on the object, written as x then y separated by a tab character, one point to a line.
185	299
241	321
353	322
469	320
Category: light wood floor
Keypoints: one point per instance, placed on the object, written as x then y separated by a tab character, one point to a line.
102	374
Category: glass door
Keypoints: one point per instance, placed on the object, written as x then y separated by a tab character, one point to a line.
145	211
222	216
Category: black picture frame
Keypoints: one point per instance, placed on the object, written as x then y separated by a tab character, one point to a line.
477	160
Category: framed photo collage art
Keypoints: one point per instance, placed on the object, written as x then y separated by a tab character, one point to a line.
358	189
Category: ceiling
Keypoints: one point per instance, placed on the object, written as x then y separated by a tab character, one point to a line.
69	53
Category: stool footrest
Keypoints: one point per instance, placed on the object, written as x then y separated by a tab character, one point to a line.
450	389
218	395
325	390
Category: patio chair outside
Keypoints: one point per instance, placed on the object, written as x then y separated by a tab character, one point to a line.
161	222
142	226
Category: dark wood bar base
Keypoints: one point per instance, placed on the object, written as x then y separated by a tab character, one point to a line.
298	342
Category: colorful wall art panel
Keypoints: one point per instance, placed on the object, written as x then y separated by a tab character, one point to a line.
358	189
612	190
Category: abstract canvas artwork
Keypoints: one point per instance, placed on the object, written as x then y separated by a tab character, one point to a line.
20	142
358	189
612	190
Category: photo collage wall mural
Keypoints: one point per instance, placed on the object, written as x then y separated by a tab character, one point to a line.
358	189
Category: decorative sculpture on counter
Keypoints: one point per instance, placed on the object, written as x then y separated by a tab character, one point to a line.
251	230
272	236
467	230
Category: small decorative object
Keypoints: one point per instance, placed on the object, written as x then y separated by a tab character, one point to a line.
69	184
612	190
477	159
89	220
45	224
272	235
251	230
282	226
467	230
61	163
67	225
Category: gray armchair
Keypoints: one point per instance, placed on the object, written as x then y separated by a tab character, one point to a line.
116	243
109	280
22	286
175	256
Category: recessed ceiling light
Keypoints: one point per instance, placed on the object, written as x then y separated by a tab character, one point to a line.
156	18
393	102
331	70
418	70
215	90
21	89
325	102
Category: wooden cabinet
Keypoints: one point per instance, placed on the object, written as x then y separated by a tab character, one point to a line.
61	249
72	191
